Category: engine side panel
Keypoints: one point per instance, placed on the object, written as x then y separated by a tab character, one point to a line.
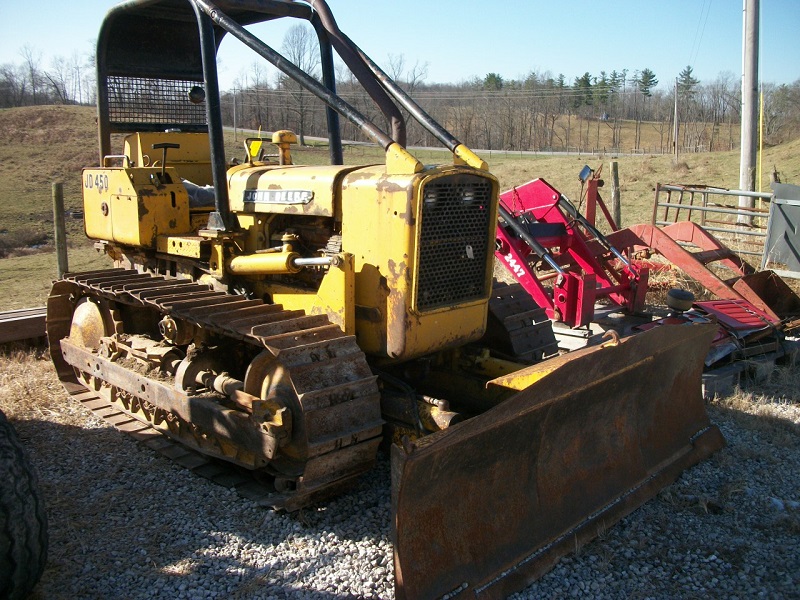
289	189
422	257
134	206
420	245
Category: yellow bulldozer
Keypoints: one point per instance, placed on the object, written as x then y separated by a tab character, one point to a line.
289	320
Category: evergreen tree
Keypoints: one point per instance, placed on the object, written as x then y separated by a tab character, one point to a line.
532	81
602	86
583	90
686	82
492	82
615	80
647	81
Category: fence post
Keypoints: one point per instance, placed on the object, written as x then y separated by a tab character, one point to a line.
60	228
616	208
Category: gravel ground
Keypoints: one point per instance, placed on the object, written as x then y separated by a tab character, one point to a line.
127	523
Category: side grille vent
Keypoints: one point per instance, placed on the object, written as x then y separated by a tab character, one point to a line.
455	236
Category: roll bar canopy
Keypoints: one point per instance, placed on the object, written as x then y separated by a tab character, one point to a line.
152	53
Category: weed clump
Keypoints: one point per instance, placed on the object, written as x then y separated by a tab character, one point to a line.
21	242
680	168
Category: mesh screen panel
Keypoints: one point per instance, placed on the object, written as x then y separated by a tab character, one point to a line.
455	236
153	101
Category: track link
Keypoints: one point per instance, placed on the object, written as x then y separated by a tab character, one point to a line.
517	326
334	400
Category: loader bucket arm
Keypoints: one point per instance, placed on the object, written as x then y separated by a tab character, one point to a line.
489	505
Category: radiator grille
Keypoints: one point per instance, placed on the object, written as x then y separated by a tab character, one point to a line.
154	101
455	236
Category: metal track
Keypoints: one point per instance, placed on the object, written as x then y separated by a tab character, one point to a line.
220	472
517	326
337	399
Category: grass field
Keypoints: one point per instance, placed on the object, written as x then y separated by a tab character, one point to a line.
42	145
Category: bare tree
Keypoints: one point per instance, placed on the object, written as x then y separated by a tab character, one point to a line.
718	93
256	99
82	76
13	86
252	98
661	115
782	112
396	66
58	79
32	59
301	47
410	79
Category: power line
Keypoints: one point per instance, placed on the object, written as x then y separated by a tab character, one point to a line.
701	28
517	94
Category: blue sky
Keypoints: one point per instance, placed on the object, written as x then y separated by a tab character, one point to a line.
463	39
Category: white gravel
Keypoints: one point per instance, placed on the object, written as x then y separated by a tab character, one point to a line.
127	523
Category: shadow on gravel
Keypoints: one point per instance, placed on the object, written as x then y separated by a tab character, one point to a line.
125	522
766	423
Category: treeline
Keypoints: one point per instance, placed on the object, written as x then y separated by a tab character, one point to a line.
611	112
616	111
62	81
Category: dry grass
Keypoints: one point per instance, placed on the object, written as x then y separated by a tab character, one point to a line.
639	174
30	390
774	399
41	145
25	280
21	242
661	281
768	406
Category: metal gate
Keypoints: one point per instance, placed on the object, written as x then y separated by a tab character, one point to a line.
717	211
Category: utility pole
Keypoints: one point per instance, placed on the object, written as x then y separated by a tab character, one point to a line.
747	164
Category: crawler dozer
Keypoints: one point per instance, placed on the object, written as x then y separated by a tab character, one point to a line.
290	319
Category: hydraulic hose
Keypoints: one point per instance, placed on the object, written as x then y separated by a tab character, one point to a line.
570	209
538	249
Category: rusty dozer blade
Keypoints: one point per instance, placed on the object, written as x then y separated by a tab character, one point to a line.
489	505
